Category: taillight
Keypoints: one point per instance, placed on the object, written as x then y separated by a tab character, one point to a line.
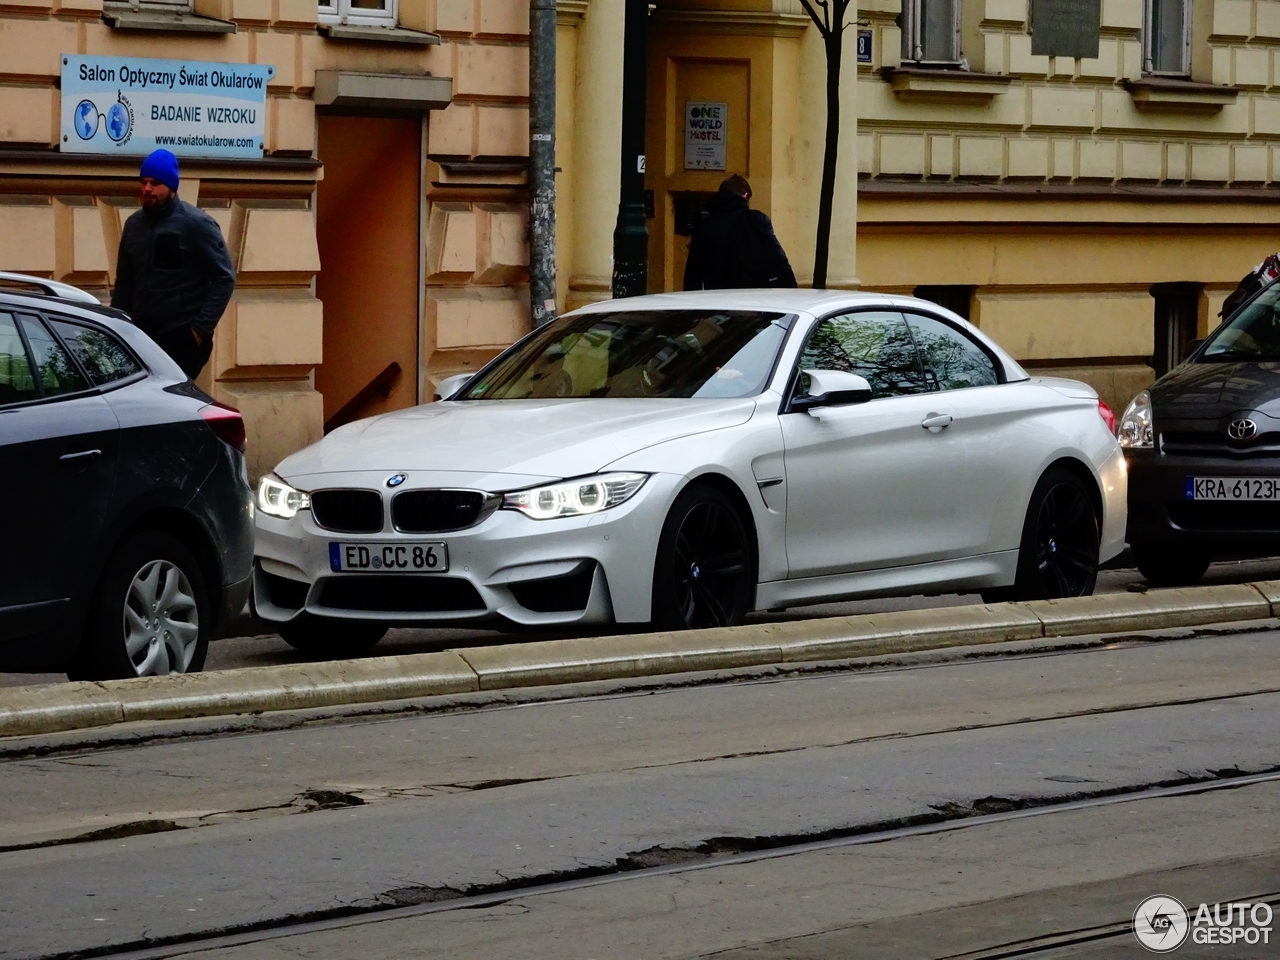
227	423
1108	416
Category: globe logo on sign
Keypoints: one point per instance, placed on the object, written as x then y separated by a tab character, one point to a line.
118	121
1161	924
86	119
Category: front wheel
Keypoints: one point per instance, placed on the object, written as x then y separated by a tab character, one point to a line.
151	616
704	572
331	639
1058	554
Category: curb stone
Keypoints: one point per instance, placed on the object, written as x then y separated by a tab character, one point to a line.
26	711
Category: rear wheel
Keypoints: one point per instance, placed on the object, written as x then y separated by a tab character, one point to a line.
1058	555
151	616
1169	566
331	639
703	574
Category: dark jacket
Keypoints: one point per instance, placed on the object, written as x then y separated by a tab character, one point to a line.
735	248
173	270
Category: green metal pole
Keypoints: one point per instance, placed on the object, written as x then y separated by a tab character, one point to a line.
631	236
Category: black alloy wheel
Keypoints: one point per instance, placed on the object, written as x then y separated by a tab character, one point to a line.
704	572
1058	555
151	615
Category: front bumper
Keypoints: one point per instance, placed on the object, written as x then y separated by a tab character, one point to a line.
1160	513
505	569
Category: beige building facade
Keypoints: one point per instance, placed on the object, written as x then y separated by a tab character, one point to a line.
379	240
1089	213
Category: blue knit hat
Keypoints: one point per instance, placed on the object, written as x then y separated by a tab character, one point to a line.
161	165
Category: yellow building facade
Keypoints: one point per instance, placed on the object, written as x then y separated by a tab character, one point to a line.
1090	213
379	239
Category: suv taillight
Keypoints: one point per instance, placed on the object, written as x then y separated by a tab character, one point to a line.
227	423
1108	416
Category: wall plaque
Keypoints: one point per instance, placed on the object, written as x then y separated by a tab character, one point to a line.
705	136
1065	28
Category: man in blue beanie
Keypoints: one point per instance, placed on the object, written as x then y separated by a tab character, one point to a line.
173	273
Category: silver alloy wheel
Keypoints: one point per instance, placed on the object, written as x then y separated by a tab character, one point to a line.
161	620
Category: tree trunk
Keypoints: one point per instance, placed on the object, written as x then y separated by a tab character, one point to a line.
834	43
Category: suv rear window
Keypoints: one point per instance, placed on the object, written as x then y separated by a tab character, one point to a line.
16	381
104	358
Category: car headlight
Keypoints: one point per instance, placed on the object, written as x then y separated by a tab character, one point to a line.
1136	432
278	499
575	498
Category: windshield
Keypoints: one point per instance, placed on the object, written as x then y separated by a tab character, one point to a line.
1252	334
641	353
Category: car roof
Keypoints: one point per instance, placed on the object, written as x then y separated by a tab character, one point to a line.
108	316
784	301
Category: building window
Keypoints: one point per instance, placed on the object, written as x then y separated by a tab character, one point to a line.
1168	38
931	32
358	13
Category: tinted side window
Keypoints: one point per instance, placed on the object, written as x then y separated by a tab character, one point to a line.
16	380
951	360
55	370
875	346
101	355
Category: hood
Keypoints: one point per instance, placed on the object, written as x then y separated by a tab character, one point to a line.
1209	391
547	439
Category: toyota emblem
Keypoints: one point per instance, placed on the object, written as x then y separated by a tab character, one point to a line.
398	478
1242	429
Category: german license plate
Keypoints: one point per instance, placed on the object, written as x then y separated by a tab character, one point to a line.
1233	488
388	557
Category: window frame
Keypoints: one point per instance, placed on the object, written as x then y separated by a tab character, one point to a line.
793	381
141	373
913	23
789	393
45	319
340	12
1148	41
1002	375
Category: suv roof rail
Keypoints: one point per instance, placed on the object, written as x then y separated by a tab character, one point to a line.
49	288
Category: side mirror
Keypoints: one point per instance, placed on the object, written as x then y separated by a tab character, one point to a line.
450	385
1194	345
832	388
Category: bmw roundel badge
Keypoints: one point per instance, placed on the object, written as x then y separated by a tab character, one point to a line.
396	479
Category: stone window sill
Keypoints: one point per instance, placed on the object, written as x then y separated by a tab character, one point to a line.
949	86
124	18
339	31
1165	95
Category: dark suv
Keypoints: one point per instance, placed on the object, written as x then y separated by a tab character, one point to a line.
126	507
1203	447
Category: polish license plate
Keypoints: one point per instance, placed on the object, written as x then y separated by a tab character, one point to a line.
1233	488
388	557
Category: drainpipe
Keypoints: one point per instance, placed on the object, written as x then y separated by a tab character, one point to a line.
631	236
542	160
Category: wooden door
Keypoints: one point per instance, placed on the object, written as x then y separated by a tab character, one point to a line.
367	219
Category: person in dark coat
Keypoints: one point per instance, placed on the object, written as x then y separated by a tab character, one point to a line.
173	274
735	247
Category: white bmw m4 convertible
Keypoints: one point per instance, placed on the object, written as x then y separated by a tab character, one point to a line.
682	460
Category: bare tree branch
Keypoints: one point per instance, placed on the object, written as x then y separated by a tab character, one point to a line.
813	15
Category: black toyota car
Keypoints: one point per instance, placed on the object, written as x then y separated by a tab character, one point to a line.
1203	447
126	525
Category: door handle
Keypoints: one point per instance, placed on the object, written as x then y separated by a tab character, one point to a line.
79	455
936	421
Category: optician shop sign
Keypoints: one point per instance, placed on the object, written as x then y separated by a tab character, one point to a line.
131	106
